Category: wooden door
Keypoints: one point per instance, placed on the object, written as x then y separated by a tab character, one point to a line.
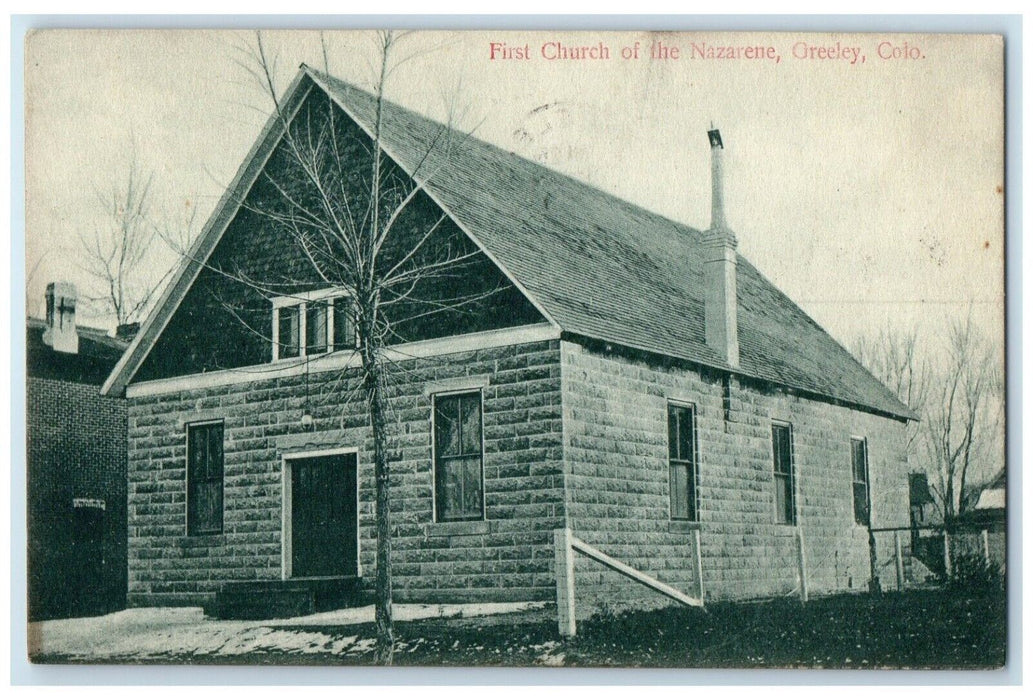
324	519
87	591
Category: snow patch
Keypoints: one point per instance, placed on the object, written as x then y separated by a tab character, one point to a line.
406	612
156	633
546	657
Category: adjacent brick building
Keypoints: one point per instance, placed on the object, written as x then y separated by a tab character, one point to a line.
620	374
76	466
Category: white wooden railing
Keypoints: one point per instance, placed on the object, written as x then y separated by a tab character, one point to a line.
566	544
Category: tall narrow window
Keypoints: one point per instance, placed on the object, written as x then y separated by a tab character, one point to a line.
315	328
859	467
289	331
458	457
204	478
782	449
681	441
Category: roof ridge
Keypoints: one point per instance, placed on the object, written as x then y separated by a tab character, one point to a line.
469	136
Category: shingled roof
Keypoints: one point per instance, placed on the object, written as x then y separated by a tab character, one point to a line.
604	268
596	265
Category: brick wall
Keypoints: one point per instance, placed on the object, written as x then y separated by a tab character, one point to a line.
76	449
522	470
615	442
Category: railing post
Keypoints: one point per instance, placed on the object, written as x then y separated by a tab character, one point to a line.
946	554
803	564
986	547
699	565
564	582
900	561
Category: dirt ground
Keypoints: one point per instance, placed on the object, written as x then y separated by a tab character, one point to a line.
917	629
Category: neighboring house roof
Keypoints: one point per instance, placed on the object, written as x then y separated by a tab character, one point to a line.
595	265
990	498
98	353
993	494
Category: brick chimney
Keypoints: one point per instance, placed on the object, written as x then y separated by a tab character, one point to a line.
720	307
60	332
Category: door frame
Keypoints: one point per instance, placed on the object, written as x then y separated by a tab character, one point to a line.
286	486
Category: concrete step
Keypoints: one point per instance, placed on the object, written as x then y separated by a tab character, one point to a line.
274	599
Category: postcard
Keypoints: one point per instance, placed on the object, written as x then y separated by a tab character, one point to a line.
516	348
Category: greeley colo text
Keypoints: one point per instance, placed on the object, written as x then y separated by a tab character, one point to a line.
700	50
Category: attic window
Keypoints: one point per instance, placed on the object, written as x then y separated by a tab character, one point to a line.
323	319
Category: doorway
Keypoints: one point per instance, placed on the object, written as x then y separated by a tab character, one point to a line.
321	533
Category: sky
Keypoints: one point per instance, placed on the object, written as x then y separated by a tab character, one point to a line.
864	172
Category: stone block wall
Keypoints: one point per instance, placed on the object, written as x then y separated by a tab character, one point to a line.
572	436
508	557
615	443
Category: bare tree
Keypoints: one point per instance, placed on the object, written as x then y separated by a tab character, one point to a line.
115	255
958	401
895	360
963	423
360	230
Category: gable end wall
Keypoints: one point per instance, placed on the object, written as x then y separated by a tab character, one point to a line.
522	470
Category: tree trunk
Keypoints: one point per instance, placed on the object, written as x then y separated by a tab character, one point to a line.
373	383
874	585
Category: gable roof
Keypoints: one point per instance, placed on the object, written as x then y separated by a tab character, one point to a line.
98	353
993	494
594	265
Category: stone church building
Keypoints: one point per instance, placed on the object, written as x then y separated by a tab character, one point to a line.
617	373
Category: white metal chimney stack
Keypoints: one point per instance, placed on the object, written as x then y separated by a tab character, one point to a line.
60	332
720	307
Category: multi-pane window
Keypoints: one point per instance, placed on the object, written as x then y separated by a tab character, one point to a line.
859	468
204	478
681	441
344	326
323	320
315	328
458	457
289	325
782	451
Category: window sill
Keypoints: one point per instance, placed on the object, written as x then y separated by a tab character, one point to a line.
467	527
683	526
286	361
311	357
201	539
